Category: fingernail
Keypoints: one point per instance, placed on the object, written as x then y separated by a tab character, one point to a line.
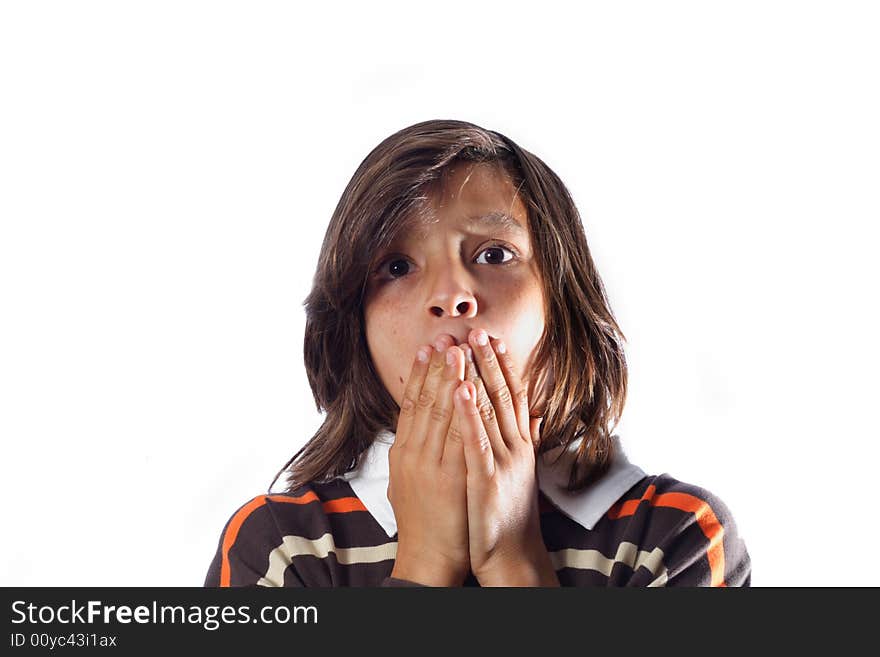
482	338
450	358
440	344
469	353
500	348
465	393
422	355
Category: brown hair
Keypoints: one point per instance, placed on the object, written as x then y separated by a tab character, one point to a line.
579	370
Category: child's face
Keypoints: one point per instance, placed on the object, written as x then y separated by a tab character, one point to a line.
455	275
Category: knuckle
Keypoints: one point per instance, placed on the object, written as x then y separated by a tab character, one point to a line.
407	406
503	396
525	452
493	385
439	414
455	433
426	399
487	412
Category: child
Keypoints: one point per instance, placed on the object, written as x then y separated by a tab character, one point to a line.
460	341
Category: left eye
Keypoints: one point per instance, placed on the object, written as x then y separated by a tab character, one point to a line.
495	255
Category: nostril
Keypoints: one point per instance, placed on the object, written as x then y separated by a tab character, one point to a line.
462	307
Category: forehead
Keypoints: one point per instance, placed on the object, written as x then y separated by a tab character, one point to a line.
472	197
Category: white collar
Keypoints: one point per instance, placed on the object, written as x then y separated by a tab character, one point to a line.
370	483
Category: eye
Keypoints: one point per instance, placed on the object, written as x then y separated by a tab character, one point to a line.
395	267
495	255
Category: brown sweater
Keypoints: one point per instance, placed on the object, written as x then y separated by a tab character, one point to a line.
658	532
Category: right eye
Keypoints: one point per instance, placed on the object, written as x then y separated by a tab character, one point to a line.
395	267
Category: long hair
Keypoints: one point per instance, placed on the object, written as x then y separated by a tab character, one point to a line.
578	375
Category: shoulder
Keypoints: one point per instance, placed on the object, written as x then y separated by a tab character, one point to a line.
301	511
691	527
666	492
266	523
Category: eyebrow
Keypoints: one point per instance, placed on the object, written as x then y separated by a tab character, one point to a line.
497	219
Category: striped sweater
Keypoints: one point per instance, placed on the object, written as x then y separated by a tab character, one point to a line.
627	529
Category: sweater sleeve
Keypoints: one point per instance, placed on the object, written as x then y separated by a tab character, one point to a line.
678	534
248	550
704	548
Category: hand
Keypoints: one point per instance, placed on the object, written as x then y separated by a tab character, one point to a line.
504	530
427	478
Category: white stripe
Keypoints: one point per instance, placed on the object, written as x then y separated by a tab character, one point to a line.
295	546
627	553
661	579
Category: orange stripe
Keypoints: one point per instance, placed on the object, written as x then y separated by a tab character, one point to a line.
705	517
344	505
232	534
341	505
629	507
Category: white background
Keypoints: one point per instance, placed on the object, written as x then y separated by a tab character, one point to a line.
168	169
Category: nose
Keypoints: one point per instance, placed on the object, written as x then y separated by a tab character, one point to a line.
451	294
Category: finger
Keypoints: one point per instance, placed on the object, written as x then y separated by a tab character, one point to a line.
441	413
535	430
411	394
496	386
478	456
453	448
427	396
518	392
484	404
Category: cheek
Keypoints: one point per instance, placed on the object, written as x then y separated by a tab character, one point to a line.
526	325
379	324
385	337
